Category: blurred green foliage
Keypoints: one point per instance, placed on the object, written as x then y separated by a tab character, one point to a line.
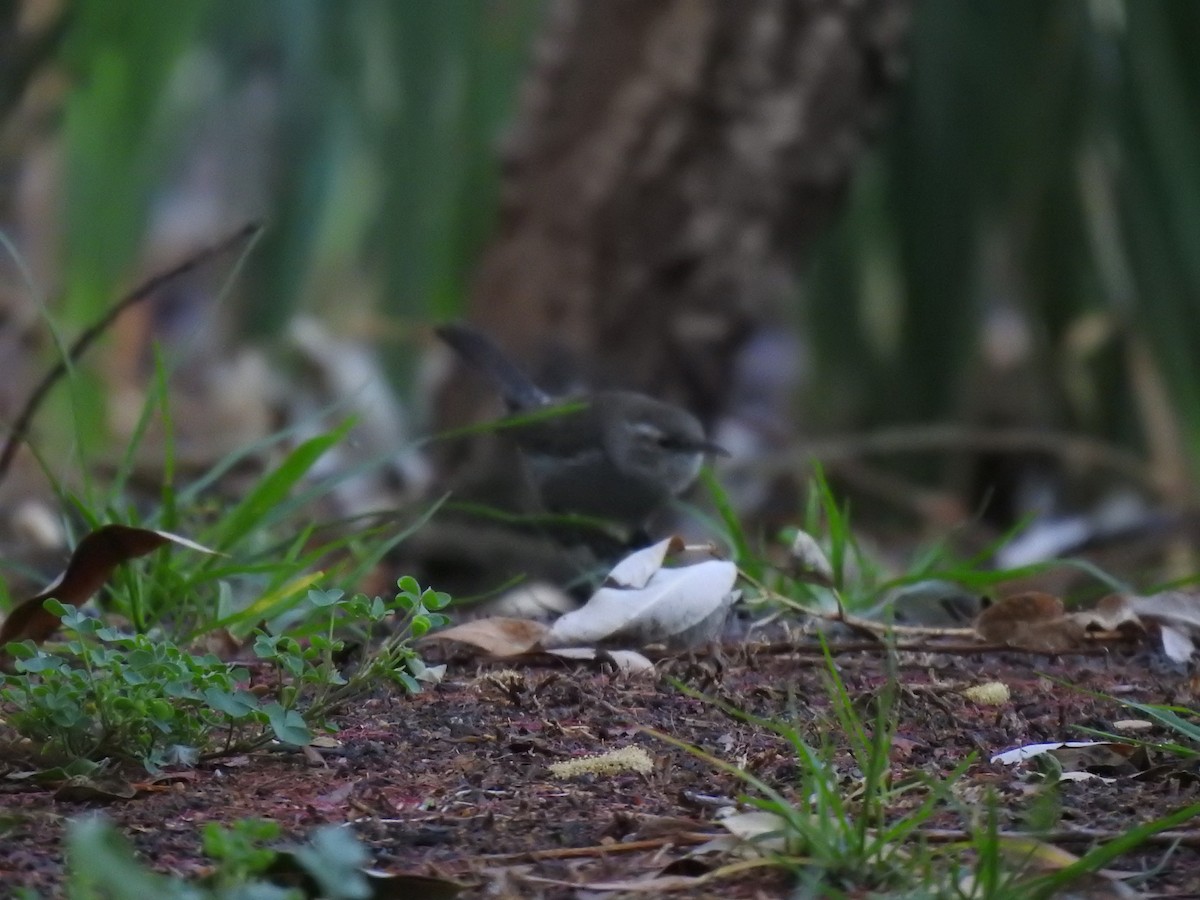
1039	162
120	54
381	156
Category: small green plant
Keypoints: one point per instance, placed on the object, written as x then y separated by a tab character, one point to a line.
105	692
239	850
101	864
843	833
138	692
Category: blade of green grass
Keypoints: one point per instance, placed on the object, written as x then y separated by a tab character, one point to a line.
259	504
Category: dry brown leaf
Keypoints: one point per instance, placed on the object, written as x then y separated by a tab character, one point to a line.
1033	621
89	568
1111	613
220	643
498	636
1030	855
1175	615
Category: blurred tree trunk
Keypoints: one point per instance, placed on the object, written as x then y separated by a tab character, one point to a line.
671	162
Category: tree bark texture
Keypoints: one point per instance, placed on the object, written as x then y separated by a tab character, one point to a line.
670	163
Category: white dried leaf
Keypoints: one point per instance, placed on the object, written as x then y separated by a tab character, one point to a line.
537	600
1109	614
430	674
683	607
755	825
636	569
1176	644
1029	751
810	560
1085	776
1177	613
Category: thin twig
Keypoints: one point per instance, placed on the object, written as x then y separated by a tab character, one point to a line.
1064	836
603	850
1072	448
966	649
933	836
88	336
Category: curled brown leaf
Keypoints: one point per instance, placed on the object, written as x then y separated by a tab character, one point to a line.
89	568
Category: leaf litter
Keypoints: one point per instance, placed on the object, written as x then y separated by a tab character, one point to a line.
458	782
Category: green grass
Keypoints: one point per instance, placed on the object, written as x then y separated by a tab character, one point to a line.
848	826
134	680
854	824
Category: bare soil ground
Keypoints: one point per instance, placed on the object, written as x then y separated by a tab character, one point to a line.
455	782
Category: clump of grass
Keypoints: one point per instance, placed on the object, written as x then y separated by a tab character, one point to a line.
850	825
842	834
135	682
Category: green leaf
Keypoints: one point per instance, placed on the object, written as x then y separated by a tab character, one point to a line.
101	863
288	725
406	681
322	599
40	663
257	506
335	860
21	649
419	626
235	704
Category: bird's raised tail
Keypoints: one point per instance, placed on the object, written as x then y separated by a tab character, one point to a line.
481	353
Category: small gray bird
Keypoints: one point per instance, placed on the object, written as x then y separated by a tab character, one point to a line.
615	455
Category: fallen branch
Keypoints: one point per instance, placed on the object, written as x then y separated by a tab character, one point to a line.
602	850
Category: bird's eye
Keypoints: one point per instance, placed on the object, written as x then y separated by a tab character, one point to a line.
651	433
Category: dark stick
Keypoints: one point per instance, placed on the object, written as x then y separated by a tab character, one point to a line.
87	337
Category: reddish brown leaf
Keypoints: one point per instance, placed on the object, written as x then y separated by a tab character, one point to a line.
90	566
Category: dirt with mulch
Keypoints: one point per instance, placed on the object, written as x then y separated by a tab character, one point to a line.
455	782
